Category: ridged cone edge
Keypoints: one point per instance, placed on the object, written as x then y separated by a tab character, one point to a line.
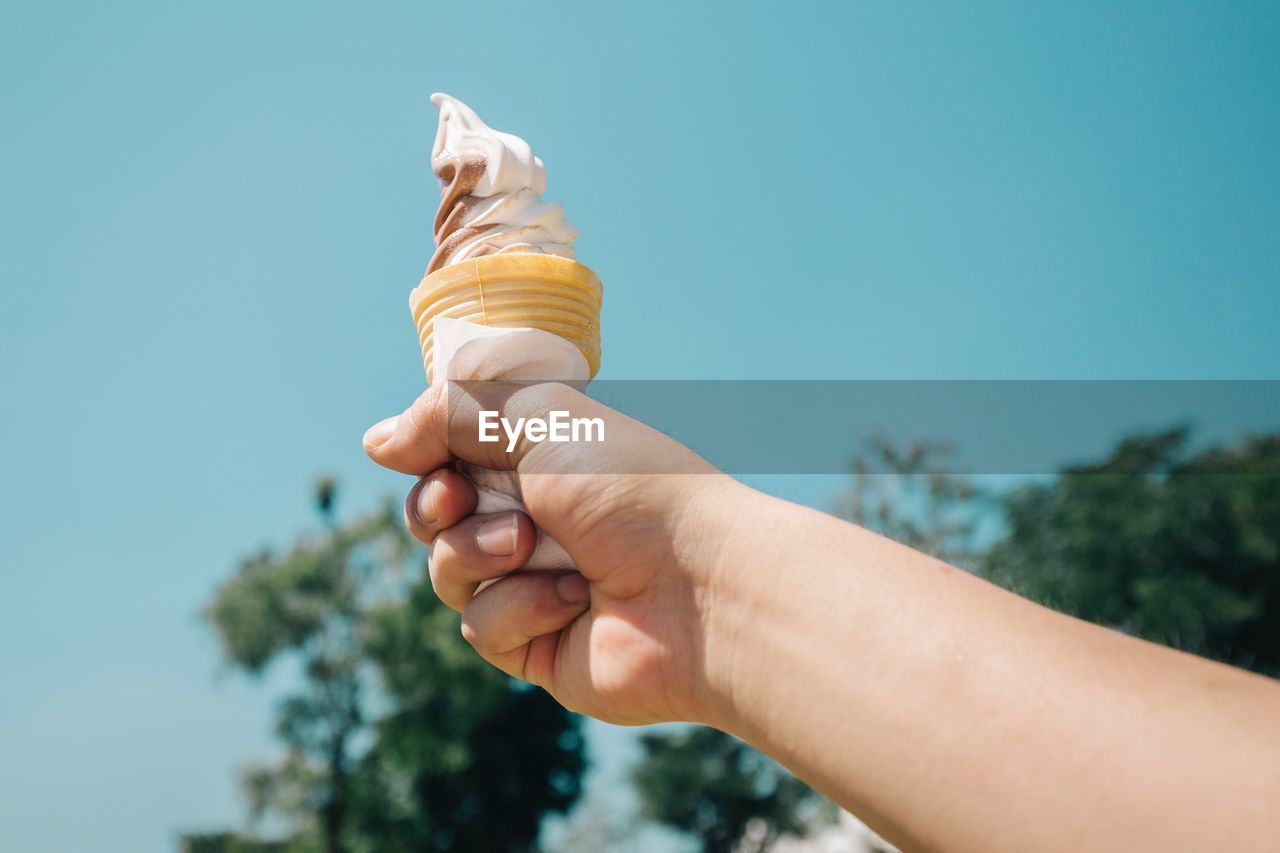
569	307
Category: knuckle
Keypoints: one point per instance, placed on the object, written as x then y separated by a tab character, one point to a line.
426	411
433	571
438	563
540	398
479	640
438	413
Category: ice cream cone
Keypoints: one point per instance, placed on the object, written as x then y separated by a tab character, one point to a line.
513	290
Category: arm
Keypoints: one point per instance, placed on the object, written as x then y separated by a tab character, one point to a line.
950	714
945	712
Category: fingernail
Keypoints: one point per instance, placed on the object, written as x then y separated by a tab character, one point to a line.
573	588
378	434
497	536
428	503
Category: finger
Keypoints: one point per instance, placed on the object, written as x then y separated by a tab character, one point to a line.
436	502
445	423
413	442
477	549
502	620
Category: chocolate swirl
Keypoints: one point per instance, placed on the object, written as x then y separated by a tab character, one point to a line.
490	193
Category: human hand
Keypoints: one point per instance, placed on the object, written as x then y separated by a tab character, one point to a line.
627	638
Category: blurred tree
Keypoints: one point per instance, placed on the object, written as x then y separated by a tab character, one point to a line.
911	495
1181	548
399	737
228	842
596	824
717	788
307	604
465	758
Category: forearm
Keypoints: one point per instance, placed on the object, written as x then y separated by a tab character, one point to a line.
951	714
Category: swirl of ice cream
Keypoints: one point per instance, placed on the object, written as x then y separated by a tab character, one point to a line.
491	189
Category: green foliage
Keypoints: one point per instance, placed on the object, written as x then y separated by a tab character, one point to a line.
310	603
714	786
229	842
454	755
911	496
1178	547
465	758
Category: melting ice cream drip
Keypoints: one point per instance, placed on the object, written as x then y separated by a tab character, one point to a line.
491	189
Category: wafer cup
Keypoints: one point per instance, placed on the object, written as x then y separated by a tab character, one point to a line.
512	291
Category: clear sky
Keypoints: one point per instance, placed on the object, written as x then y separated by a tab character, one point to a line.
212	216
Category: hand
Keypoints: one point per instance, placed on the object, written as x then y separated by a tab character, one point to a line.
626	638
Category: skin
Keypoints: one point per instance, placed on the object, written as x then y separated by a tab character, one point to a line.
945	712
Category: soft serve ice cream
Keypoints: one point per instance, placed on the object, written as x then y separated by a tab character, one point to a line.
503	297
491	189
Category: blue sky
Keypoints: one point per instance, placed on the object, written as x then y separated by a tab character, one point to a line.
213	217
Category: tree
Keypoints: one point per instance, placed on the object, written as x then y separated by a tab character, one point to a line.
596	824
465	758
308	603
911	496
399	737
1177	547
228	842
715	787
